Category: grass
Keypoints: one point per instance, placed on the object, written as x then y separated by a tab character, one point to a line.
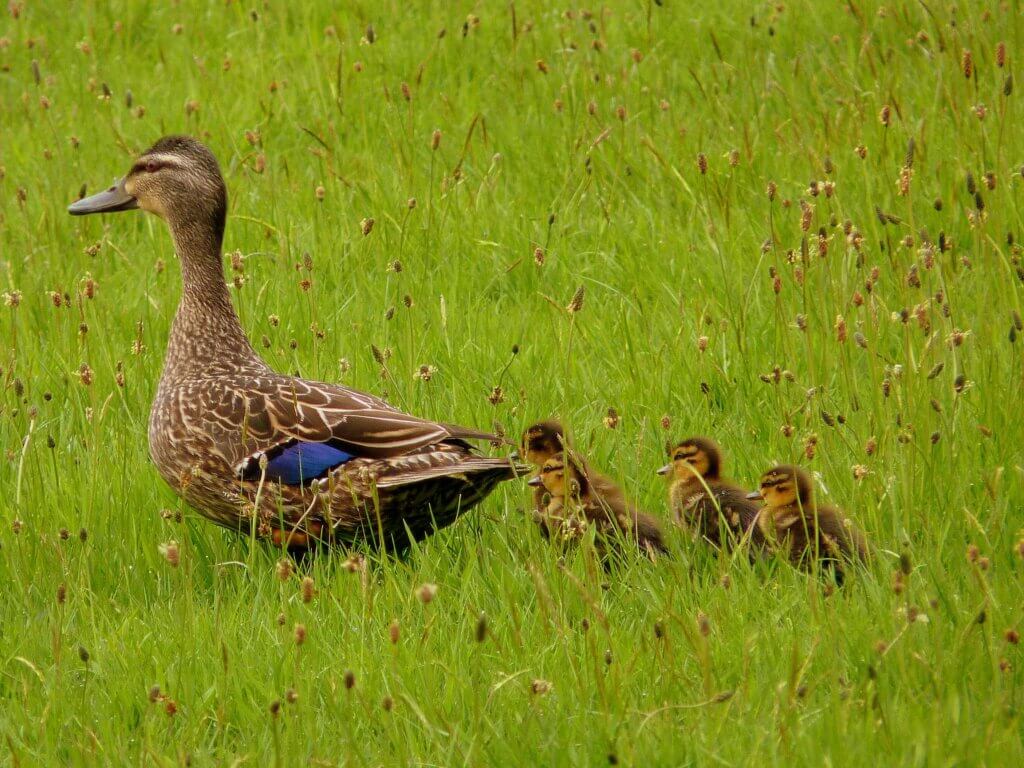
590	162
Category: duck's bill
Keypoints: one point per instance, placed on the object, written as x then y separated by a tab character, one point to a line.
108	201
534	481
665	470
755	496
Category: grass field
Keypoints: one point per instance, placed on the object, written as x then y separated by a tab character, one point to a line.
789	239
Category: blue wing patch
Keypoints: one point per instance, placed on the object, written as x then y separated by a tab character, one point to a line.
300	462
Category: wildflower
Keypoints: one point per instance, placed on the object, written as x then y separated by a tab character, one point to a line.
540	687
703	624
611	419
840	327
426	593
576	303
284	568
171	553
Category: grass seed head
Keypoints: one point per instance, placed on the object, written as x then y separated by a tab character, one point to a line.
284	568
171	553
540	687
426	593
576	303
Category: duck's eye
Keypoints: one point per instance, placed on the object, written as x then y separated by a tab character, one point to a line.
151	166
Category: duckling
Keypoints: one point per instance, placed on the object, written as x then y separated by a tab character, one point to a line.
709	506
573	505
540	442
803	530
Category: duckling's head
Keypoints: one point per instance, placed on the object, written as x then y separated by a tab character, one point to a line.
693	457
541	441
561	477
177	178
784	486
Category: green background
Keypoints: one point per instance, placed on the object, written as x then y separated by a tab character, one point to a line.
292	97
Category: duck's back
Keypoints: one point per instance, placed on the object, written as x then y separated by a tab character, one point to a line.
720	513
851	542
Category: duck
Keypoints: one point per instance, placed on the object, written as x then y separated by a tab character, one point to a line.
287	459
710	507
808	534
540	442
573	505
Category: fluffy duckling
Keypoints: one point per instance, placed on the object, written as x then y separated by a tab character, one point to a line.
573	505
794	523
708	505
542	441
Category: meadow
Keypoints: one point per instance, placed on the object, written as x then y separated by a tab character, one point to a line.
791	226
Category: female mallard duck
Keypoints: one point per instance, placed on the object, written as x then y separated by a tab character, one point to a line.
253	450
573	505
705	503
804	531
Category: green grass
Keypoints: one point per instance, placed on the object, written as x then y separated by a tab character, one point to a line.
667	255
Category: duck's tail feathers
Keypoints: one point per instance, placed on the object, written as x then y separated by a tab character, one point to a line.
472	469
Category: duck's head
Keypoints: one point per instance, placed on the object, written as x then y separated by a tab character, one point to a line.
541	441
177	178
784	486
693	457
561	477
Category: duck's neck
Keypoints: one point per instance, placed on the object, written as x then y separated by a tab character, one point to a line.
206	336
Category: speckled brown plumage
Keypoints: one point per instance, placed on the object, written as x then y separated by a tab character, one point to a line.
711	508
220	412
572	505
807	533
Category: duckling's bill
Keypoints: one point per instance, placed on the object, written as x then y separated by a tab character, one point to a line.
754	496
108	201
534	481
665	470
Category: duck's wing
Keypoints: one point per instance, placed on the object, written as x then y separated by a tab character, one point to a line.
274	414
851	542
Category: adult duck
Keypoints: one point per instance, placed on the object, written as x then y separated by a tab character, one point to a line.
288	459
